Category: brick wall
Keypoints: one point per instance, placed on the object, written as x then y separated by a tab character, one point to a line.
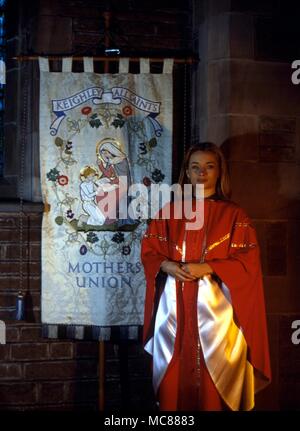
38	373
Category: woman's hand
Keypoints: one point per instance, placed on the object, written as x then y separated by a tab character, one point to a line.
175	269
197	270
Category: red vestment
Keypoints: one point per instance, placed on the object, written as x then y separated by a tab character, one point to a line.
229	245
111	196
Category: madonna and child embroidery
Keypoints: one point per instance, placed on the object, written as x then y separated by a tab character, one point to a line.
100	134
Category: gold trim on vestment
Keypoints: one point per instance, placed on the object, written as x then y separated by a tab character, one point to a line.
242	245
239	224
215	244
152	235
165	239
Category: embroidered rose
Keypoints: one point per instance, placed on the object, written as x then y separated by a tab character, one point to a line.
146	181
127	110
86	110
63	180
126	250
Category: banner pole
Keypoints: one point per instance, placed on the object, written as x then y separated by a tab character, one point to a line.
107	17
184	60
101	375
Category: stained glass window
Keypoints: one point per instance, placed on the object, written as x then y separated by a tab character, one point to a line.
2	81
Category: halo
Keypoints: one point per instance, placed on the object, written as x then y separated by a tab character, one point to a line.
81	172
113	141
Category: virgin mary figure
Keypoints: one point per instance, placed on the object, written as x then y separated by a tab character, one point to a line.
115	178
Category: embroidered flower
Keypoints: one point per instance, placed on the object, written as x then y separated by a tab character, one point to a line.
143	148
146	181
92	237
70	214
86	110
62	180
83	250
157	175
126	250
118	237
127	110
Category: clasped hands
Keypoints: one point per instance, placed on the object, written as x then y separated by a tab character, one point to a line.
185	271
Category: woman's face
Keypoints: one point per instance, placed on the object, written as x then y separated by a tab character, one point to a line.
106	155
204	169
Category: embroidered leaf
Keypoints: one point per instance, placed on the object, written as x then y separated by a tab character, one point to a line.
58	142
53	174
118	122
59	220
95	123
152	143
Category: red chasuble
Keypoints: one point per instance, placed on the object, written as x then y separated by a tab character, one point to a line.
208	338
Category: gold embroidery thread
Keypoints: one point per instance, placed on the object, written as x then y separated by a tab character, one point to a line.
242	245
162	238
239	224
151	235
215	244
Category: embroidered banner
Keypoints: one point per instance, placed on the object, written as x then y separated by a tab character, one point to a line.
100	134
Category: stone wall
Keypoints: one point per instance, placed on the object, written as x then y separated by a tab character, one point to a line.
249	106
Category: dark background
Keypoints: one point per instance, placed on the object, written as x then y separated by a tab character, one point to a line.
239	95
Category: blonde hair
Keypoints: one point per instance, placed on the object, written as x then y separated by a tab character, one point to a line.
223	189
88	170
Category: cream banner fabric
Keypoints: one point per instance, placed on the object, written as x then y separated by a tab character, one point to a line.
101	135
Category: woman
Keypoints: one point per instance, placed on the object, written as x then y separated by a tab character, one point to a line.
114	167
204	311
